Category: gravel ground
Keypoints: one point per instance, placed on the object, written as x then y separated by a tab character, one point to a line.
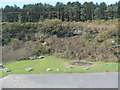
82	80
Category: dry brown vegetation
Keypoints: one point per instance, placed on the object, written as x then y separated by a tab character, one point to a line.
18	50
89	46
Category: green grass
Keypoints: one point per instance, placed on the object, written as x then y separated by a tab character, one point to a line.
40	65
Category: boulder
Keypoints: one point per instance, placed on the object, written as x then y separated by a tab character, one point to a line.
58	69
1	66
86	68
29	69
118	55
113	42
49	69
68	67
44	43
6	70
32	58
40	57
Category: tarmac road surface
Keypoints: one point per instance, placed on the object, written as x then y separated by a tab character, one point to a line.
81	80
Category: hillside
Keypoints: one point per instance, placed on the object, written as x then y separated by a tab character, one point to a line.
95	40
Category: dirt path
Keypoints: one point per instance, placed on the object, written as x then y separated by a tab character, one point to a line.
82	80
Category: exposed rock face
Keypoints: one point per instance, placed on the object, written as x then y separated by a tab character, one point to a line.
118	55
78	32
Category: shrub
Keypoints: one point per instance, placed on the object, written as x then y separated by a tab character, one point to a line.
6	40
42	39
42	50
51	27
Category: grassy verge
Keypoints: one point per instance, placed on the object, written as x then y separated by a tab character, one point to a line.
40	65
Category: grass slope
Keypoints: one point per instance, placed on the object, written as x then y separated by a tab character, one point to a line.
40	65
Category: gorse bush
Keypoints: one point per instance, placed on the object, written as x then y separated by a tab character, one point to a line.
41	50
51	26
